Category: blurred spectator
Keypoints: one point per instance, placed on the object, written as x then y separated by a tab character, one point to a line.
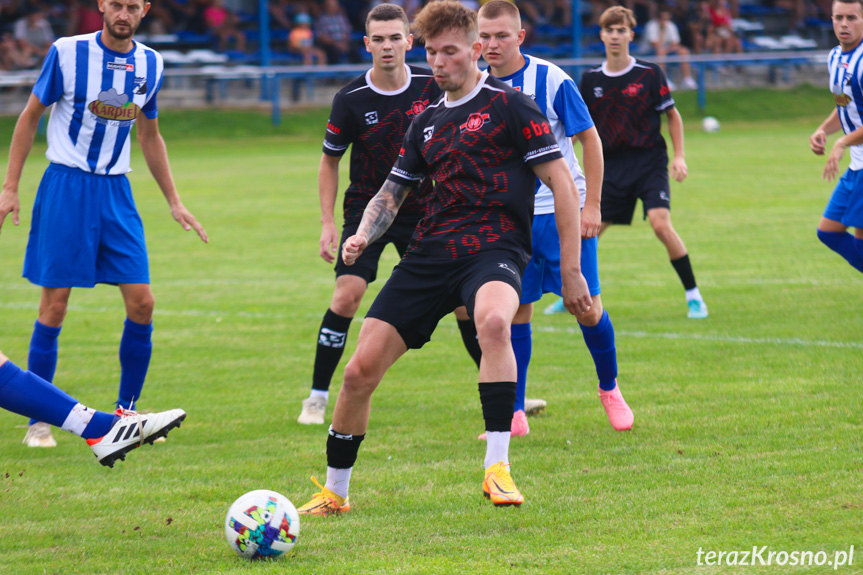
10	12
34	34
663	38
11	56
83	18
225	25
333	32
167	16
301	41
796	8
721	36
700	25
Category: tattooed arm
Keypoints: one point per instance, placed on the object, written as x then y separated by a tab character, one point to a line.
377	218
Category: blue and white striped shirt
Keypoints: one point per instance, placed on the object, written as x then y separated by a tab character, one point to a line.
845	84
559	99
97	94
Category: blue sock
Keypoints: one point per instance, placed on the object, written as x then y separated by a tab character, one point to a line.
42	359
843	244
28	394
522	346
135	351
858	245
600	343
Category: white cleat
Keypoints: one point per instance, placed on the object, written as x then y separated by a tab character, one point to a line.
39	435
313	411
133	430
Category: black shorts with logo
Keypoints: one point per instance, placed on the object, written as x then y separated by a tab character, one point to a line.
419	293
399	235
633	175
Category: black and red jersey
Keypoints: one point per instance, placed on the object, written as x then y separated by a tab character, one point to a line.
374	122
478	151
627	106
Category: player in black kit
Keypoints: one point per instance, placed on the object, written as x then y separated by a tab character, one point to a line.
482	143
627	98
371	113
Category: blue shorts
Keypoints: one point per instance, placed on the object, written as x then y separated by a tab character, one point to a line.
86	230
542	274
846	203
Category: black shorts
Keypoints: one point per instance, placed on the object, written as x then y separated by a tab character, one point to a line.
634	175
399	235
419	293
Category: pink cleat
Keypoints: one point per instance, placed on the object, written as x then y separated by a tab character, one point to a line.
618	411
519	426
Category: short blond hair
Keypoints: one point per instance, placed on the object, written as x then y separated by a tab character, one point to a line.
497	8
616	16
440	16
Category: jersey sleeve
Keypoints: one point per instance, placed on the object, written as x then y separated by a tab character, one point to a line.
533	135
151	107
49	85
571	109
410	167
339	133
660	90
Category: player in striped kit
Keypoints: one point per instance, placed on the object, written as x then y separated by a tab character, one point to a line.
558	98
845	208
86	228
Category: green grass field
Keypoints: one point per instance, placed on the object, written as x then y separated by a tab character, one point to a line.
747	430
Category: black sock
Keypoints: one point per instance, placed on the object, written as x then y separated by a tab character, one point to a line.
331	345
342	449
468	336
498	401
684	271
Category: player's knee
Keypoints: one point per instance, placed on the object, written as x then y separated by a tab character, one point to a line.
493	329
591	317
360	377
53	313
141	309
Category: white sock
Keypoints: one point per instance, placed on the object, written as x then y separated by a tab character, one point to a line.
339	480
693	294
77	420
319	393
497	447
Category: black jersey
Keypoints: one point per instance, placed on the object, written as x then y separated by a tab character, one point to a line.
627	107
479	151
375	122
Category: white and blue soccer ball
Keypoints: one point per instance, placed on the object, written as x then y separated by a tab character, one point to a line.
262	524
710	124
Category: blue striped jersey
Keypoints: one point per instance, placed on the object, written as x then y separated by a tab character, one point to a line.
96	95
559	99
845	84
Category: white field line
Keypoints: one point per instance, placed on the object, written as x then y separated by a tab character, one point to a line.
218	315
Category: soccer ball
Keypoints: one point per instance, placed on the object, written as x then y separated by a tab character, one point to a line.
710	124
262	524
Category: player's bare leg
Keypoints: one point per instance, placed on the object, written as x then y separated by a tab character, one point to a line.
660	221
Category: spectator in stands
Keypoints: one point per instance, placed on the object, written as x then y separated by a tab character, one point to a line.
83	17
224	24
11	56
168	16
333	32
721	36
699	24
12	10
663	39
301	41
34	34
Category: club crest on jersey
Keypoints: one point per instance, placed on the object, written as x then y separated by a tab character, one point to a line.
842	100
428	133
632	90
474	122
140	86
417	108
371	118
120	67
597	92
111	106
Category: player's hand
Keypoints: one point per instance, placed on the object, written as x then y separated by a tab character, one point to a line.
329	243
818	142
591	221
185	218
353	248
678	169
576	295
9	205
831	170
